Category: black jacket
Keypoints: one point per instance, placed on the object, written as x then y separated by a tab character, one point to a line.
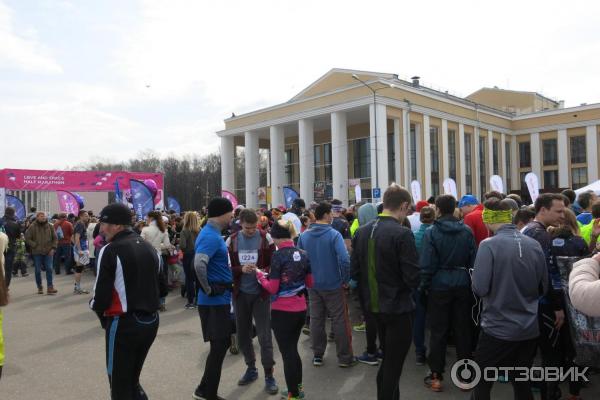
12	229
129	278
387	276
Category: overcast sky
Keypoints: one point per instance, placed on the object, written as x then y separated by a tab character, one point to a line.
104	79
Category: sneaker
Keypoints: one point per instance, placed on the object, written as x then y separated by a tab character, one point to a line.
233	348
80	291
306	330
25	275
360	327
50	290
317	361
352	363
41	290
250	376
271	385
369	359
331	337
287	395
420	360
434	382
190	306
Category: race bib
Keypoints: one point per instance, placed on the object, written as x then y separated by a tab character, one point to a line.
248	257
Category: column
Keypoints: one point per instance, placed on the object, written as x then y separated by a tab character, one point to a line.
490	156
591	145
476	172
445	170
462	166
515	178
379	153
307	159
536	160
406	155
397	155
426	186
251	163
503	161
339	156
277	144
227	168
563	161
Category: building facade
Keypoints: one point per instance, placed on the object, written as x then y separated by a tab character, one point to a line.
355	127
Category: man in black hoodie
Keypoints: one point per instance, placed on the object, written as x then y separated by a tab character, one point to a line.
447	253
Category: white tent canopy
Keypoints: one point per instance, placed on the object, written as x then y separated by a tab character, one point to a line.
595	187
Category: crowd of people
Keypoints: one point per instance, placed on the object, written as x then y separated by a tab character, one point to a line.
480	274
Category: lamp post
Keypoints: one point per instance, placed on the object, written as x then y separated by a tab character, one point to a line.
374	91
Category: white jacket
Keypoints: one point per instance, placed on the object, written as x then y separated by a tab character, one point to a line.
159	240
584	287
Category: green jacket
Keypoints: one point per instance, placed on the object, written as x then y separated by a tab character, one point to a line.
41	238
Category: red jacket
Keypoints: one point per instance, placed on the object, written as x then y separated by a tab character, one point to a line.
474	220
265	252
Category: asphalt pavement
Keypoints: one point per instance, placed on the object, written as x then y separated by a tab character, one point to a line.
55	350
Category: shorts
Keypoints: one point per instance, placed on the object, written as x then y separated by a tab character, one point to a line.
83	259
215	321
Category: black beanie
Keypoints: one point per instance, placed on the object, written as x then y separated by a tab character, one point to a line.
299	203
219	206
280	232
116	213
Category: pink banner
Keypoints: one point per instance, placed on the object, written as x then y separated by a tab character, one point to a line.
67	202
231	197
80	181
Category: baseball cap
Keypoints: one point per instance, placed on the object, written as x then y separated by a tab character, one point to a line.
116	213
468	200
420	205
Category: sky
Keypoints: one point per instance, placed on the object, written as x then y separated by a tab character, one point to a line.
103	80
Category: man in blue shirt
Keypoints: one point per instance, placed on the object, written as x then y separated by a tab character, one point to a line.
212	269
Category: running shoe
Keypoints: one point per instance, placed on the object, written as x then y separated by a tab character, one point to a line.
271	385
369	359
190	306
434	382
420	359
349	364
249	376
80	291
360	327
287	395
317	361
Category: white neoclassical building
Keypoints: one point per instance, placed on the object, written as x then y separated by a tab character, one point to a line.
355	127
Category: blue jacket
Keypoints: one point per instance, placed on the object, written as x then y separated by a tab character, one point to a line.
329	260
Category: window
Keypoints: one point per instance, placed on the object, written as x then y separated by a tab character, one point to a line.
482	163
468	166
550	179
413	152
550	152
318	162
362	158
435	162
525	155
578	177
327	158
289	167
452	154
507	167
495	157
578	151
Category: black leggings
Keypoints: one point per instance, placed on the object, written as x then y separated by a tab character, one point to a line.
287	327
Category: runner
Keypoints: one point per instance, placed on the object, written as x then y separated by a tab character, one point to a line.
126	299
214	298
384	264
81	251
250	250
510	275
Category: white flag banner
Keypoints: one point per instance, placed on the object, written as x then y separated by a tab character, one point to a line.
533	185
496	183
449	185
2	201
415	188
358	193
